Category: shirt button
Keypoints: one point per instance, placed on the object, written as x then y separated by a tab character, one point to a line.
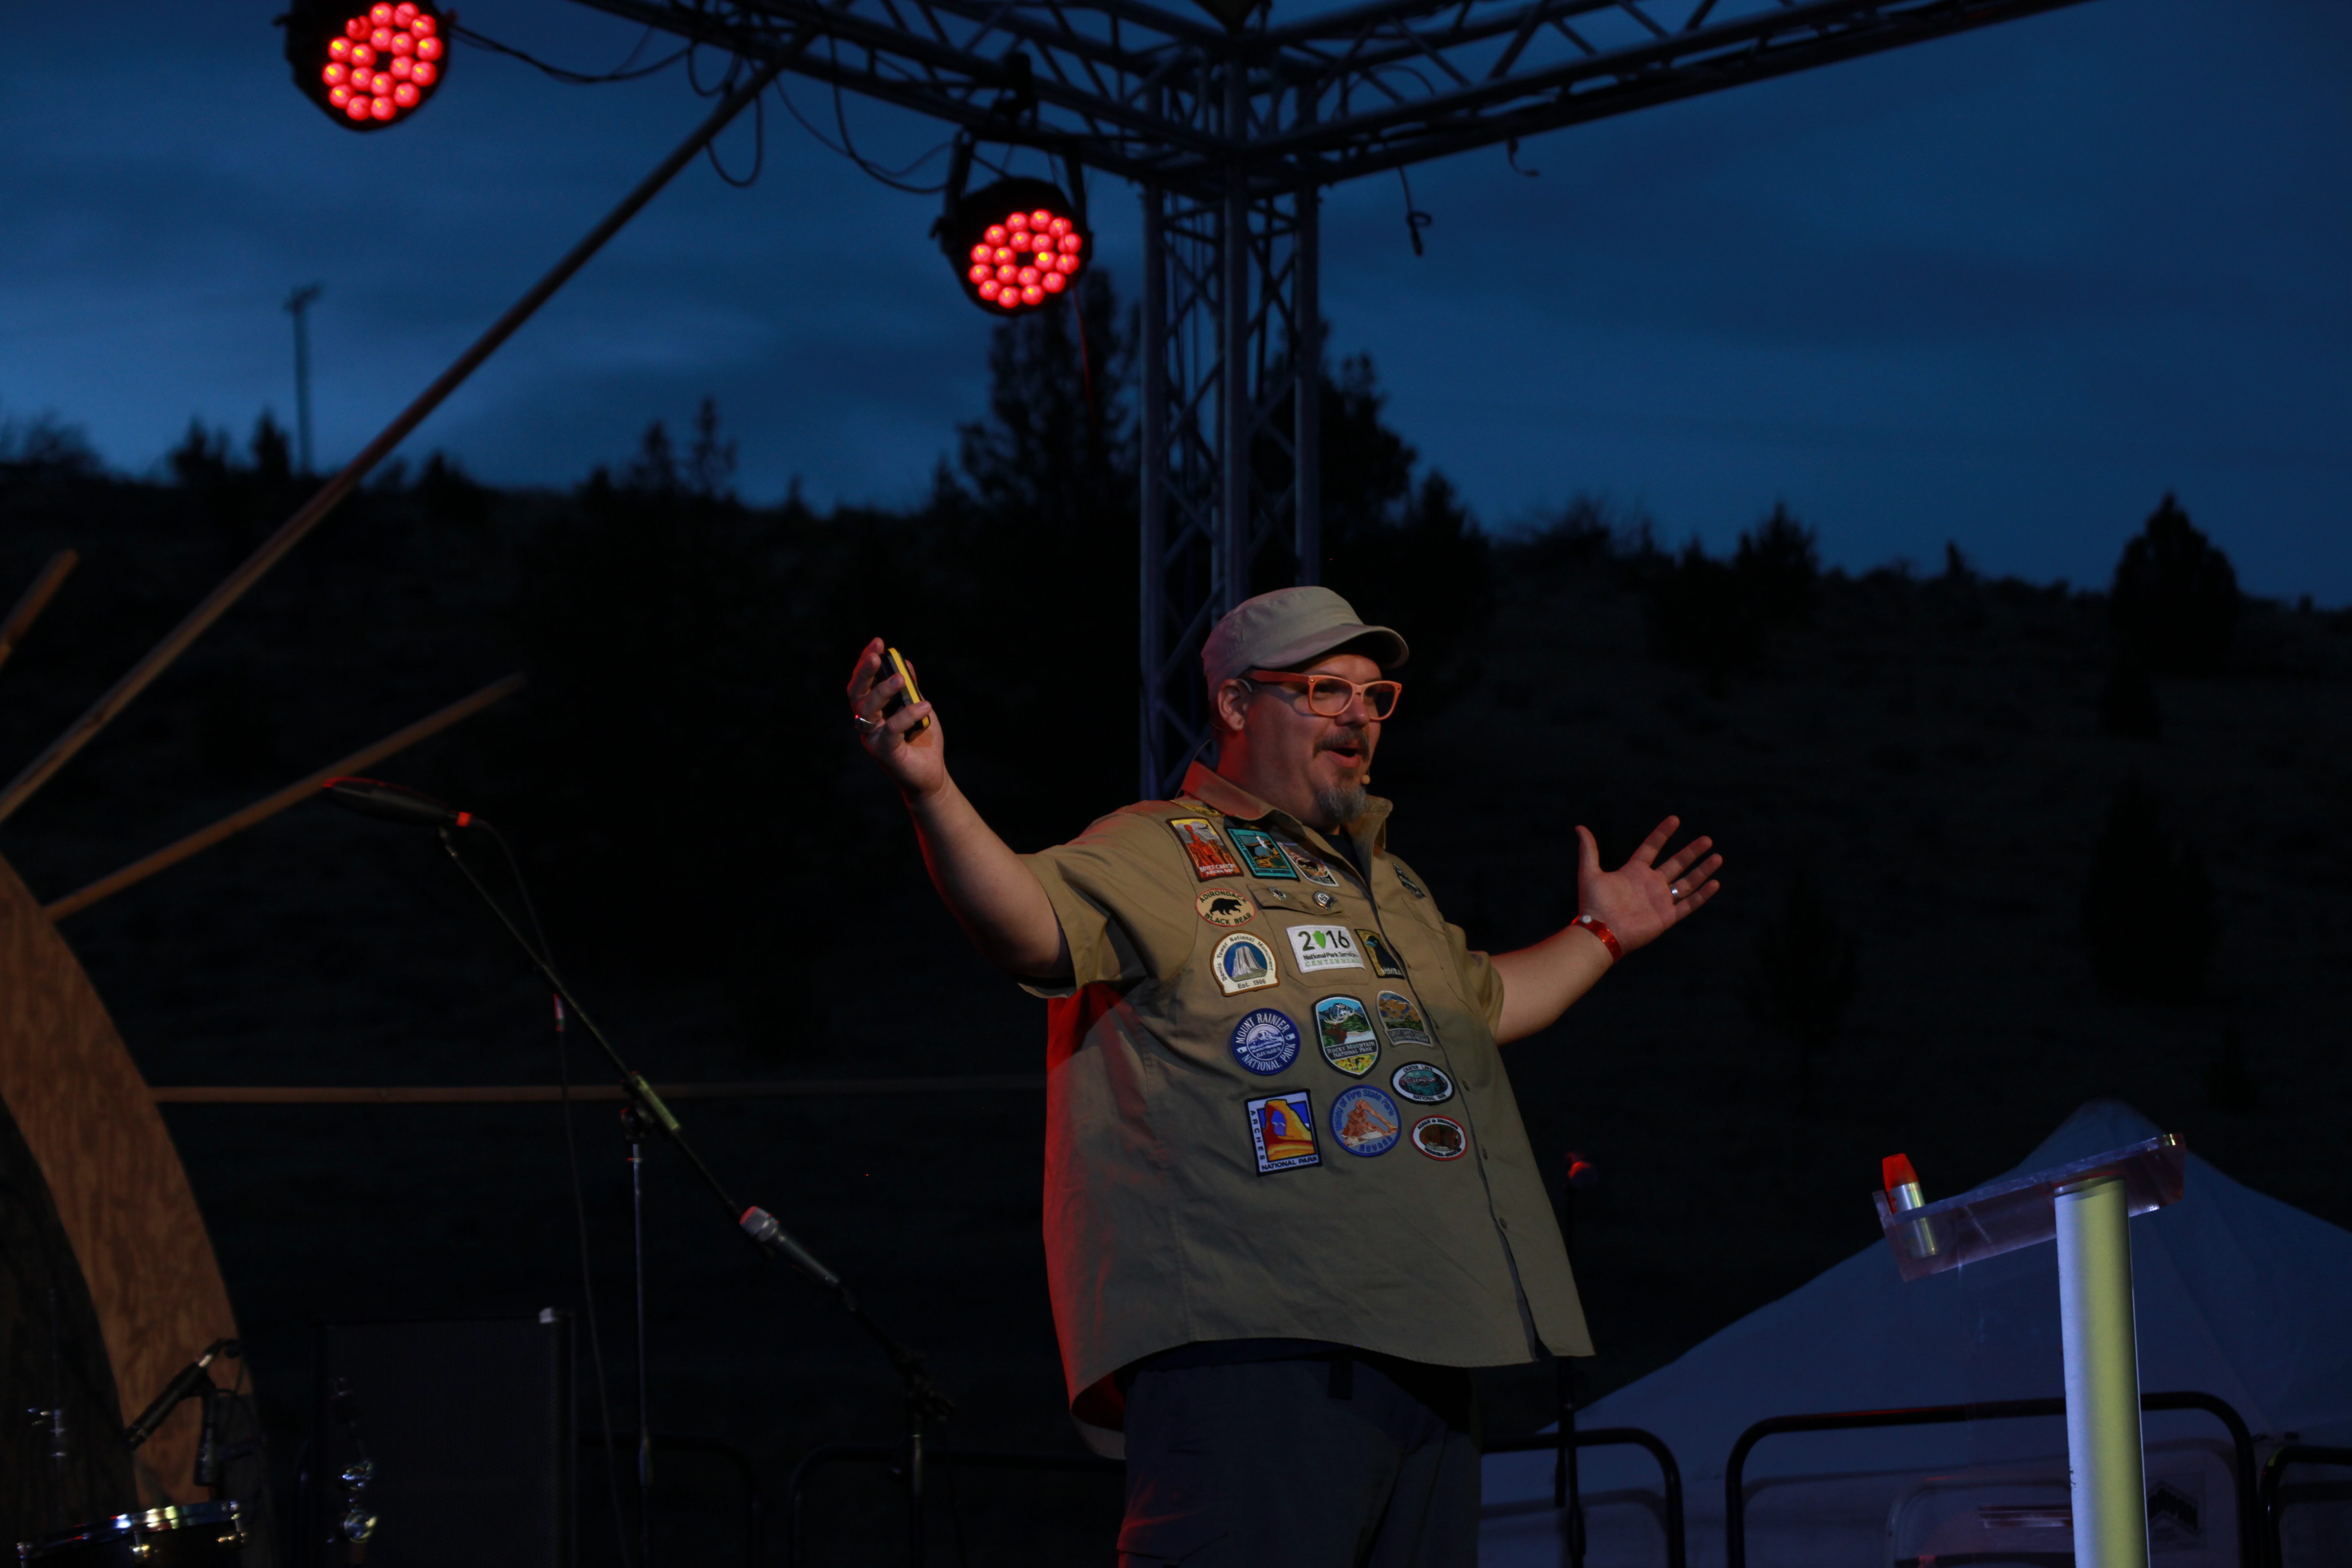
1502	1224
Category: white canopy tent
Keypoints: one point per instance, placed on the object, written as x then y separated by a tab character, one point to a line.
2239	1296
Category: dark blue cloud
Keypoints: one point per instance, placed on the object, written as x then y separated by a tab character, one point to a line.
2004	290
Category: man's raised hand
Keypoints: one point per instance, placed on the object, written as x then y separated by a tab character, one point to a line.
916	763
1641	899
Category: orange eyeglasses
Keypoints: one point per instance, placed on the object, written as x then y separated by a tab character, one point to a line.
1329	696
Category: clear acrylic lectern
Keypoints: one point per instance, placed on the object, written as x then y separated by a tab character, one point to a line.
2087	1206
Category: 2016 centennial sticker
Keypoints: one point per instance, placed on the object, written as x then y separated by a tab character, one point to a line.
1385	963
1365	1122
1224	906
1402	1020
1210	860
1262	854
1317	948
1265	1042
1344	1030
1310	865
1243	963
1282	1127
1423	1083
1441	1138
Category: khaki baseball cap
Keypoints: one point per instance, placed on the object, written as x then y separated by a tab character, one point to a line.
1288	627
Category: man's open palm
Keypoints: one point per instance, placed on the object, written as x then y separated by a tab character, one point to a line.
1641	899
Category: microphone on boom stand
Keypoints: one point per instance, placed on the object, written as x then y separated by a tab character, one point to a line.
925	1401
397	803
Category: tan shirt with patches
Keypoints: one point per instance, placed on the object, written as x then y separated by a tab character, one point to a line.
1161	1227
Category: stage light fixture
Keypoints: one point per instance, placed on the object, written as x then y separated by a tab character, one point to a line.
367	66
1017	245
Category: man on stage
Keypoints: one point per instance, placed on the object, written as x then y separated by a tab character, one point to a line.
1289	1203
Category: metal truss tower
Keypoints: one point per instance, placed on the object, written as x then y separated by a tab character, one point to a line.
1231	342
1231	132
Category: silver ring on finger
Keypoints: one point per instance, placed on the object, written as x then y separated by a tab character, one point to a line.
865	726
1675	894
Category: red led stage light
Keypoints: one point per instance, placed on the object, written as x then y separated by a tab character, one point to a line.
1017	246
368	67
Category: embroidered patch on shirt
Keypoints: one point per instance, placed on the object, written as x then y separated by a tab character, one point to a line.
1210	859
1423	1083
1281	1126
1385	963
1324	947
1225	906
1262	854
1441	1138
1365	1122
1310	865
1265	1042
1402	1020
1244	963
1410	886
1344	1030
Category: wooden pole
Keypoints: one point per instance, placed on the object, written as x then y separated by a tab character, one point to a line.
35	599
291	533
292	795
548	1093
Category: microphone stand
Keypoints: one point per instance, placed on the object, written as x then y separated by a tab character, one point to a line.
632	1128
926	1401
1566	1484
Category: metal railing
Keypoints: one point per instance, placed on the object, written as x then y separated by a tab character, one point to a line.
1613	1437
1734	1497
2273	1486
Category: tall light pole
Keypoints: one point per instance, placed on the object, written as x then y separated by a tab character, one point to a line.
299	305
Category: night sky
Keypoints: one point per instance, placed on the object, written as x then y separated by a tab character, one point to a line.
2004	290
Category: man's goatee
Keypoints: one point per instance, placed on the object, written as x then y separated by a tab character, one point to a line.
1341	804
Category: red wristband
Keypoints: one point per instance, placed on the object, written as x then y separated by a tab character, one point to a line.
1608	938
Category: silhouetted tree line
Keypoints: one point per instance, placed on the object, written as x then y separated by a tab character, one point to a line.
683	762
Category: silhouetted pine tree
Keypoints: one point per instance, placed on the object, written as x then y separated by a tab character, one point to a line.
2174	601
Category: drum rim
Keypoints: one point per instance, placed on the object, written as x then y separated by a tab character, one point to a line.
146	1521
183	1516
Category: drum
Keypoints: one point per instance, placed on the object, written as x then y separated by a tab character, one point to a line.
192	1535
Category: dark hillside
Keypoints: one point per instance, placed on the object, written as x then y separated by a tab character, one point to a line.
1925	810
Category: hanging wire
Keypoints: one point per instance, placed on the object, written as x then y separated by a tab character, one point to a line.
846	147
628	70
1415	220
758	138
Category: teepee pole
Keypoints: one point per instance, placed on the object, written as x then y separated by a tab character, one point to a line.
34	600
292	795
332	493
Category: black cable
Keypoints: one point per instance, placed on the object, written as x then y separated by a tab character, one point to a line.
1415	220
579	1196
758	145
624	72
894	178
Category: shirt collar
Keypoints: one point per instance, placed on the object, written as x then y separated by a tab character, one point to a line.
1209	787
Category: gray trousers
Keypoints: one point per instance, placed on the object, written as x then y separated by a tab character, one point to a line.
1297	1463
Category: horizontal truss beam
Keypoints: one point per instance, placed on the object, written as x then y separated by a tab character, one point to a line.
1140	92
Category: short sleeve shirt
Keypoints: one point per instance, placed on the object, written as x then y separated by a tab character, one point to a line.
1275	1107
